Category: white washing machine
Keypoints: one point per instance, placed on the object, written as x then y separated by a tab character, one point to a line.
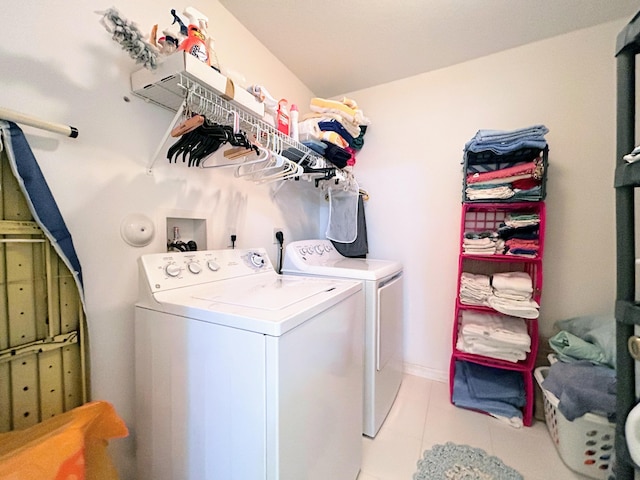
382	283
242	373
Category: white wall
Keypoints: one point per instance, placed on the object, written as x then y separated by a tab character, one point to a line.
66	68
411	166
60	64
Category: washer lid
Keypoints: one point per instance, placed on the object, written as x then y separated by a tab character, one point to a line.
267	303
269	293
355	268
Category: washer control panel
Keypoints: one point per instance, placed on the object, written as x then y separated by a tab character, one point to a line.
313	252
181	269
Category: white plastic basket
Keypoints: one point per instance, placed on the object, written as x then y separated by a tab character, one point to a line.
586	445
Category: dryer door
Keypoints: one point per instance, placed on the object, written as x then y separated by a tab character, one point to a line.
389	320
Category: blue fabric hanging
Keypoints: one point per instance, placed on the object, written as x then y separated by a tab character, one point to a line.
42	205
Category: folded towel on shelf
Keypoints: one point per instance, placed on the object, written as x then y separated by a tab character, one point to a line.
521	219
505	175
512	282
498	328
334	138
474	346
489	192
344	108
474	288
492	335
336	126
517	308
354	129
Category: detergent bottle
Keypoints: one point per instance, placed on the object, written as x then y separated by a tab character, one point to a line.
196	41
282	116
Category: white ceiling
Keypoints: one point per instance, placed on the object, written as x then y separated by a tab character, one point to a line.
339	46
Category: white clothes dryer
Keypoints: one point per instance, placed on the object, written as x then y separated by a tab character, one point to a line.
242	373
383	339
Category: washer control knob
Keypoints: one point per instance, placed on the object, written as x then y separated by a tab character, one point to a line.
257	260
319	249
172	270
213	266
194	267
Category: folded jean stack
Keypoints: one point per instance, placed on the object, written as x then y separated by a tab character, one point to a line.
500	393
334	129
506	165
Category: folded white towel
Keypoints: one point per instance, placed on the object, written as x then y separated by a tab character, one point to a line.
510	355
495	329
512	294
476	279
512	281
516	308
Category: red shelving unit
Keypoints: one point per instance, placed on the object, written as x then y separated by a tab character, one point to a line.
479	218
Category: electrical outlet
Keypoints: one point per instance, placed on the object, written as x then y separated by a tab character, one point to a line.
276	230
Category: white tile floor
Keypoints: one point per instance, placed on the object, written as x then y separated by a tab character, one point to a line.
423	416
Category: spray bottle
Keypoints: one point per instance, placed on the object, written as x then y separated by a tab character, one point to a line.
195	43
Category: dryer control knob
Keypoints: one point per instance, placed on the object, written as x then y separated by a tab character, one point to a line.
213	266
257	260
172	270
194	267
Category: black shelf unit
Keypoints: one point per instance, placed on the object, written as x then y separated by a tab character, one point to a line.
627	179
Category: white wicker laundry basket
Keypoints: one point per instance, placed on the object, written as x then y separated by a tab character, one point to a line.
586	444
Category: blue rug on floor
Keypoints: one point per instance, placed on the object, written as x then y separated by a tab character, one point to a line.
462	462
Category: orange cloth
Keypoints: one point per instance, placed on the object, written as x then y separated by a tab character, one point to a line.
69	446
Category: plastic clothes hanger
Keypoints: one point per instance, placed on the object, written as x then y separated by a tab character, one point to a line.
263	155
272	161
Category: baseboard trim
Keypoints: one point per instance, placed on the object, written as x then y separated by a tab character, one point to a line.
425	372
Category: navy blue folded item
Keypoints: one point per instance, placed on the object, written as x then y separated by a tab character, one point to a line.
336	126
336	155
